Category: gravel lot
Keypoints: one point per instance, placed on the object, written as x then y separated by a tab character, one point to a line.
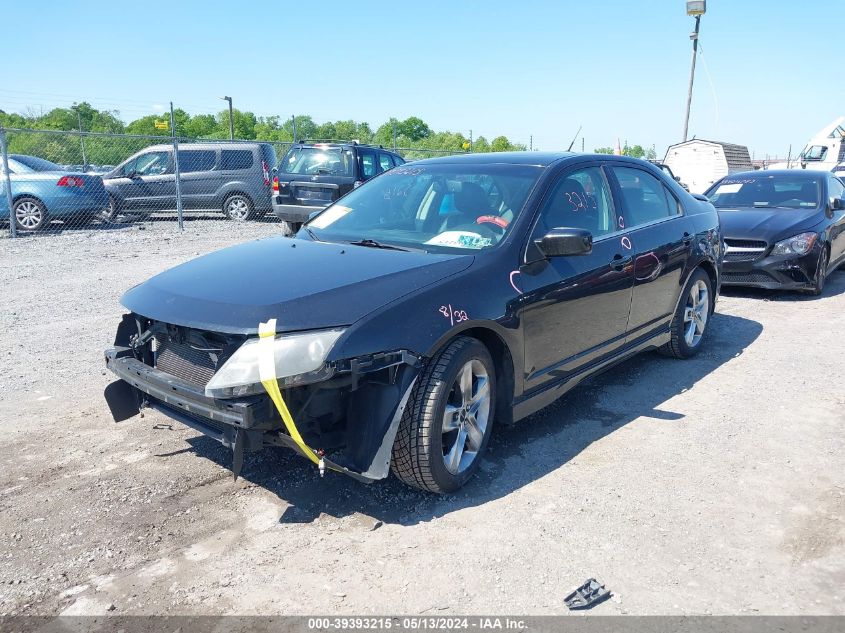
715	485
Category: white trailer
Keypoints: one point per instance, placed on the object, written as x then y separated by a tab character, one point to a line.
700	163
825	151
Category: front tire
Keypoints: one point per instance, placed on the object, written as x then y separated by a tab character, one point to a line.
691	318
821	273
113	214
30	214
238	208
448	420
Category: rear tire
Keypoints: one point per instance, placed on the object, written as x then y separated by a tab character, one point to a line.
448	421
691	318
30	214
238	208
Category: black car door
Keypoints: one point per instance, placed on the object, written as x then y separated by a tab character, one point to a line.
575	308
835	190
661	239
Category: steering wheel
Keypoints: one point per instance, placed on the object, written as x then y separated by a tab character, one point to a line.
496	221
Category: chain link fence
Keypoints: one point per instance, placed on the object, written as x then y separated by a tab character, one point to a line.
53	181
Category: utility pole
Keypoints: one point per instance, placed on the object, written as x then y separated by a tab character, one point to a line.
695	8
176	176
231	120
82	141
293	124
394	135
470	141
531	143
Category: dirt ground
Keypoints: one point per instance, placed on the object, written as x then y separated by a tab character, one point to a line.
714	485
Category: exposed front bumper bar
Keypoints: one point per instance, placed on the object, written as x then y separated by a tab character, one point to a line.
180	395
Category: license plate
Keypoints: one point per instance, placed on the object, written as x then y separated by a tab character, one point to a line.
311	194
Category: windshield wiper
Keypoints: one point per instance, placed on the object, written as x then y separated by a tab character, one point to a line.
373	244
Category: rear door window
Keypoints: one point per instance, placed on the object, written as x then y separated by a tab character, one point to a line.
368	164
235	159
385	161
196	160
644	198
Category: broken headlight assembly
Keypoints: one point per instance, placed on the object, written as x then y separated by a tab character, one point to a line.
798	245
298	359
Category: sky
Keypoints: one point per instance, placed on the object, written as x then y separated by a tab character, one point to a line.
769	73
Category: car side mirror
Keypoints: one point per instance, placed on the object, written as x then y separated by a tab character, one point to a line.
677	179
838	204
313	215
563	242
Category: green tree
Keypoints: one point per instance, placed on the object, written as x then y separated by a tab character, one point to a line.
414	128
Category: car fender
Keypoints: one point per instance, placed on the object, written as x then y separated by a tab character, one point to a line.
424	321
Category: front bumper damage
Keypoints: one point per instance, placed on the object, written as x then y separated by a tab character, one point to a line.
351	418
773	272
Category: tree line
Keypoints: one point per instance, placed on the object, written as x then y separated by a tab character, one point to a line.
412	133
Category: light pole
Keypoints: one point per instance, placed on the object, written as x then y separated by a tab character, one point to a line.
695	8
231	120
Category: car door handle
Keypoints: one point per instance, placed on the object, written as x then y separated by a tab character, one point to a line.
619	262
687	239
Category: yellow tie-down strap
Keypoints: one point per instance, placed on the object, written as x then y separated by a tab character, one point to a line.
267	374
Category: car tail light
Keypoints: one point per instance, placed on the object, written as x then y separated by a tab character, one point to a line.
266	171
357	184
276	184
70	181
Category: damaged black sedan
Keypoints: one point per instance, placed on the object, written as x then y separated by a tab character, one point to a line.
436	299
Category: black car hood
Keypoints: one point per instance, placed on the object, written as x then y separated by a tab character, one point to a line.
304	285
770	225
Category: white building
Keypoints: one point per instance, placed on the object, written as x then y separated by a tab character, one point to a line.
699	163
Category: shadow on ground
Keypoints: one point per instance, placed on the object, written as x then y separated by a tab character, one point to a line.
516	455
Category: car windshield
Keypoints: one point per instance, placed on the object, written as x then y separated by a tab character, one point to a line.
38	164
786	192
318	160
435	208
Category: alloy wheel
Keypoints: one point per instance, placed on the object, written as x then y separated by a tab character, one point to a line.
696	313
465	417
238	209
29	214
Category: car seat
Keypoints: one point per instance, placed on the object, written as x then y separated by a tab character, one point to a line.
470	202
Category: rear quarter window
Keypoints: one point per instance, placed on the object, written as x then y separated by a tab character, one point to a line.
235	159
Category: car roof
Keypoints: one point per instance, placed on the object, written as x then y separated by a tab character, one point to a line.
221	144
778	173
539	159
342	144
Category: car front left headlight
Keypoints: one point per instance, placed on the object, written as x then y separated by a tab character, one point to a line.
298	359
798	245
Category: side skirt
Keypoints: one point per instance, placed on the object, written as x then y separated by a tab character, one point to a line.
526	405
